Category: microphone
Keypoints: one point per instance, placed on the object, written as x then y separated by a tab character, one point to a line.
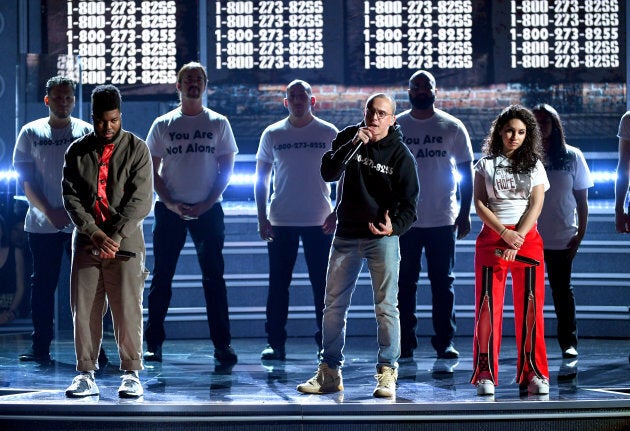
353	153
120	254
519	258
125	254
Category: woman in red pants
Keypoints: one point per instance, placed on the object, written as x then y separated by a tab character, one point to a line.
509	189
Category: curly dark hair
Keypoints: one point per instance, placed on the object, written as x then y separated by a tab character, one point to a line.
525	157
557	149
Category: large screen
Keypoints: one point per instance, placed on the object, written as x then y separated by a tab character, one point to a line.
135	45
273	41
139	45
463	42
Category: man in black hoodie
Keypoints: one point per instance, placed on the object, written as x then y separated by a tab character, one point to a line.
376	204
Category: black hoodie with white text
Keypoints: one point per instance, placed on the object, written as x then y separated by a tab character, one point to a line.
381	176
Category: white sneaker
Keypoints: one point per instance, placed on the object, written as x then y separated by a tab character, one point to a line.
570	353
326	380
82	385
485	387
130	386
385	382
538	386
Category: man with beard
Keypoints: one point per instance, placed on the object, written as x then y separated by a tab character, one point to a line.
441	146
38	158
300	208
107	189
193	151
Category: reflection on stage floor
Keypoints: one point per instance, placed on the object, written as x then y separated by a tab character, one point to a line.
189	374
189	380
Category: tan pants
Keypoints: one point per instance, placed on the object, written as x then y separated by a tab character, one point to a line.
95	282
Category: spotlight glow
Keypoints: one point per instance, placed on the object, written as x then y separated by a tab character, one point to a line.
604	176
243	179
249	179
8	176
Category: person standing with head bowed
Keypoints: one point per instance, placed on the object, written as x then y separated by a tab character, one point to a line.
107	189
509	191
563	220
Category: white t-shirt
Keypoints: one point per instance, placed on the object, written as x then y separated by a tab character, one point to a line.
42	148
300	196
508	193
557	223
439	144
189	146
624	126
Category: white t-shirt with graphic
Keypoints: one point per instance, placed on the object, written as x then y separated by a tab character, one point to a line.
439	144
42	149
189	146
557	223
300	197
508	192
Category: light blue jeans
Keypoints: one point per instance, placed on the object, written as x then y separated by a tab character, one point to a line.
345	263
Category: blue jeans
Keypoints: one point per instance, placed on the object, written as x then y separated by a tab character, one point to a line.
47	250
283	252
559	264
439	245
346	260
169	237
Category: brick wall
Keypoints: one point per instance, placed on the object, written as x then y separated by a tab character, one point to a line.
581	106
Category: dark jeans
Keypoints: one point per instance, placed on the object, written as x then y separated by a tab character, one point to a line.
559	264
283	251
169	237
439	245
47	250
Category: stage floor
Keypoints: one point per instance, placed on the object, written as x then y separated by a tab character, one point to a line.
188	374
189	383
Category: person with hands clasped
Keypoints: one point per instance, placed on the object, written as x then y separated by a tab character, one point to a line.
300	208
107	187
193	151
563	220
443	152
509	189
38	159
377	204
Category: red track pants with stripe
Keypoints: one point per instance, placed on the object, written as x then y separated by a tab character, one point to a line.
528	291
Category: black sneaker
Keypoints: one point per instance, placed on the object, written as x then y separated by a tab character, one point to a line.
32	356
153	354
225	355
273	354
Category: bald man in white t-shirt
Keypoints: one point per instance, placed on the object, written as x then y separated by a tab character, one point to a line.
442	148
300	209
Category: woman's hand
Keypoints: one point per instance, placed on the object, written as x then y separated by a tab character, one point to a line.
513	239
509	254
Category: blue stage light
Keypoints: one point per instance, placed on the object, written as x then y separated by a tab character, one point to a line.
9	175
